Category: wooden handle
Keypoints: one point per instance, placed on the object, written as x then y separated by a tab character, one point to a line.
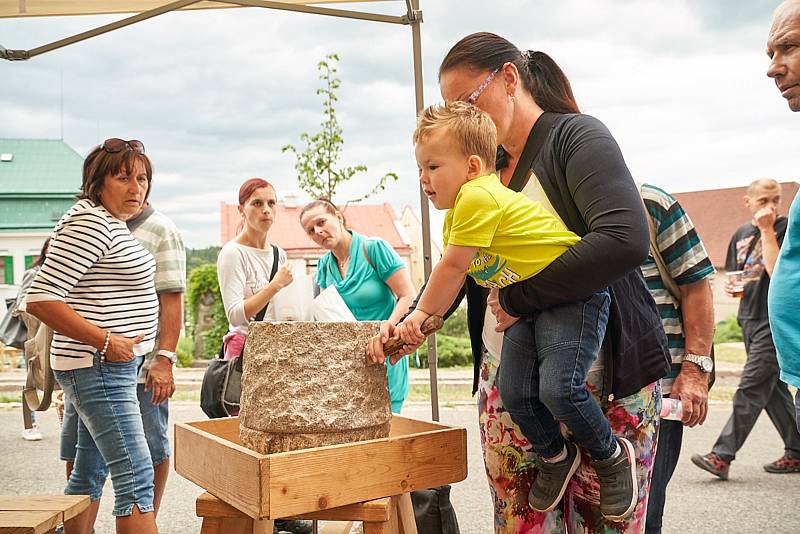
428	327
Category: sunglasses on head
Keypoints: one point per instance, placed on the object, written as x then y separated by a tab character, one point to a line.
114	145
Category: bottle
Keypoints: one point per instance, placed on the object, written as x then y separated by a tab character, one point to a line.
671	409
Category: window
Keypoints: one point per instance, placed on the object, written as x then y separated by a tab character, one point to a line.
7	263
29	260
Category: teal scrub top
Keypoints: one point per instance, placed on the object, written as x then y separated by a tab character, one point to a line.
782	301
365	292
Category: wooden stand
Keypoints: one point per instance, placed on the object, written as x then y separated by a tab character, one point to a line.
39	514
390	515
416	455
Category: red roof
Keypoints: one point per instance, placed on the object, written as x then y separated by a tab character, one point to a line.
373	220
717	213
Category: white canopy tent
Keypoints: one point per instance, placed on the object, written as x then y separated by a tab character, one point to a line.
146	9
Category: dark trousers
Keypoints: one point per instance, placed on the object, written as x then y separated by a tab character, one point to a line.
760	388
670	438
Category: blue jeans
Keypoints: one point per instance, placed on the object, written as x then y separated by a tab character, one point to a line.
542	375
154	420
109	423
670	439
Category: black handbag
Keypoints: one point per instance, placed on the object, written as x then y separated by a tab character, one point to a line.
433	511
222	382
12	331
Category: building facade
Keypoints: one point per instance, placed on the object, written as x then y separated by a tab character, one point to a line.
39	179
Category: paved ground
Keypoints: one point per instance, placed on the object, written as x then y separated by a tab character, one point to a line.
751	502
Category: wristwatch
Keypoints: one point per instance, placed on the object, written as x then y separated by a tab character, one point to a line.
171	356
705	363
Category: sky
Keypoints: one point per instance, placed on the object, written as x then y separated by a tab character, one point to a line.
215	94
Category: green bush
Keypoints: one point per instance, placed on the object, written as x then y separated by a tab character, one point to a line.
456	324
202	281
185	352
728	331
450	352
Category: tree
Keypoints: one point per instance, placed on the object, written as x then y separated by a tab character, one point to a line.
316	166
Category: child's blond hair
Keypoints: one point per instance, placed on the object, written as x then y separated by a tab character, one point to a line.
472	130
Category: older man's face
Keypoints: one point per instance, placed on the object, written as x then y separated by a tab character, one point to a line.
783	47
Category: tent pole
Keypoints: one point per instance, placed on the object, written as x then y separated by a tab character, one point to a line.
415	19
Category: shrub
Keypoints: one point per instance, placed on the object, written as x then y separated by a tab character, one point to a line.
185	352
728	331
202	282
451	352
456	324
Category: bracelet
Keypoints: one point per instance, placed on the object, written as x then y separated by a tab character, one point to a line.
105	347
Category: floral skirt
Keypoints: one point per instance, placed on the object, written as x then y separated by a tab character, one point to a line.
510	467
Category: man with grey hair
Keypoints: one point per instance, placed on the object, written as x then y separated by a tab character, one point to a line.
754	250
783	48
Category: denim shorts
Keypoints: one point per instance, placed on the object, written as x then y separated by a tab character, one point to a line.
110	434
154	419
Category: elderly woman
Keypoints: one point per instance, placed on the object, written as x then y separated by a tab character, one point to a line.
367	272
95	290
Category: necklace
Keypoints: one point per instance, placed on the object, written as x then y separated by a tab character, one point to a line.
343	264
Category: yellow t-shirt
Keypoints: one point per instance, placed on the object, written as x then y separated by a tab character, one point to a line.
516	236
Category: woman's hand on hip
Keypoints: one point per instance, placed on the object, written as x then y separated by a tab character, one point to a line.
120	348
504	320
283	277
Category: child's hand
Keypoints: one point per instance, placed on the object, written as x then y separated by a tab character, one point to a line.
375	344
409	330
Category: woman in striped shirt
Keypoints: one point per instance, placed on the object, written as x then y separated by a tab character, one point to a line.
96	291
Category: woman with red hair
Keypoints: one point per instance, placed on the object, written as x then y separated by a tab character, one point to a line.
251	271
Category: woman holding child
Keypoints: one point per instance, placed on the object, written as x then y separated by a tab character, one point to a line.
369	275
578	174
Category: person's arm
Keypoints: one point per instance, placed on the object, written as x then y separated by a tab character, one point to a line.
770	248
607	200
443	285
403	289
159	374
691	384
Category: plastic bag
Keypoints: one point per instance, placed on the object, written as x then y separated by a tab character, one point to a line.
293	302
329	306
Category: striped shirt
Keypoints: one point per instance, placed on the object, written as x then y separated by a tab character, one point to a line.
687	261
158	234
97	268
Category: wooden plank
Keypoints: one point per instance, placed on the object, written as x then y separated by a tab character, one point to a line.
231	472
402	426
405	514
29	521
343	474
69	505
378	510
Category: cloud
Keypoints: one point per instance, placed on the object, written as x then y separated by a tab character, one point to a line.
214	95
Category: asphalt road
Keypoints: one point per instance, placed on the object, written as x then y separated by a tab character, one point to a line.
752	501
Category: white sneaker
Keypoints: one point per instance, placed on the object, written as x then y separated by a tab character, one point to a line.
32	434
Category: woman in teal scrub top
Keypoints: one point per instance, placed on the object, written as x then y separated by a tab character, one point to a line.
369	275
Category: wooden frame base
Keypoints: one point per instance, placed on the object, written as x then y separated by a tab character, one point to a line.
390	515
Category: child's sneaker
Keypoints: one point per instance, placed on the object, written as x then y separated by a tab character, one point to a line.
713	464
619	485
551	480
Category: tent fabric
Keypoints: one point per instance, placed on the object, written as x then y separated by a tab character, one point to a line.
51	8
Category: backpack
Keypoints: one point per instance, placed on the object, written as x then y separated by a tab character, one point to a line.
37	363
222	382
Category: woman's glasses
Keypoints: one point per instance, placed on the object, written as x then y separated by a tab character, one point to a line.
482	87
114	145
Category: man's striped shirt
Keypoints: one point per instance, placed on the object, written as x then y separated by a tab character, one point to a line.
687	261
96	267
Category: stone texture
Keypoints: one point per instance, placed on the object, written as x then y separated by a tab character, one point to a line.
309	384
